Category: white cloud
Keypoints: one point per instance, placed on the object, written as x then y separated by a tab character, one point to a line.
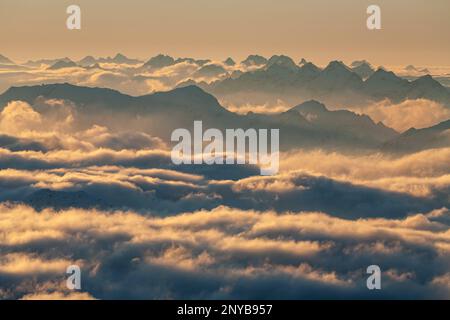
420	113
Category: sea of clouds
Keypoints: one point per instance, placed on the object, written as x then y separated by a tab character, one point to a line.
140	227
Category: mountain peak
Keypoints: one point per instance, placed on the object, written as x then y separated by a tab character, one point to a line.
5	60
338	71
302	62
336	65
61	64
411	68
362	68
87	61
88	58
191	97
383	75
229	62
310	67
311	106
309	70
210	70
282	61
122	59
191	88
160	61
254	60
120	56
427	80
358	63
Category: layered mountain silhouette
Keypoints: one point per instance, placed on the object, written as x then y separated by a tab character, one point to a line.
257	80
62	64
411	68
302	62
229	62
118	59
254	60
210	70
414	140
161	61
5	60
87	61
281	78
49	62
281	61
309	125
362	68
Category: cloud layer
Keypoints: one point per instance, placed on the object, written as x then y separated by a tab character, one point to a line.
420	113
222	253
112	202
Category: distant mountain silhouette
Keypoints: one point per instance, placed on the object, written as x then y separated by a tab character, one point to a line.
385	84
308	71
429	88
210	70
49	62
118	59
160	61
199	62
414	140
336	84
121	59
344	122
254	60
362	69
5	60
309	125
281	61
229	62
62	64
336	76
411	68
87	61
302	62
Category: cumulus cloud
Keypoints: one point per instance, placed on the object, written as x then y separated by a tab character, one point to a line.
420	113
53	124
18	116
20	119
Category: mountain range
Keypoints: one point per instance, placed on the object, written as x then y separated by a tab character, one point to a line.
257	80
308	125
5	60
414	140
336	84
118	58
61	64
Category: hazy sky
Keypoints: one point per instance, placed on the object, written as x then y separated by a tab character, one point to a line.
414	31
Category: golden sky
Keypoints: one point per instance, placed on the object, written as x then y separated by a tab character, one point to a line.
414	31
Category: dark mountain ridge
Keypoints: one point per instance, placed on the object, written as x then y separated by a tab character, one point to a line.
310	125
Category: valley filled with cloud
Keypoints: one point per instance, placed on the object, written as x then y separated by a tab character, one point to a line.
86	178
